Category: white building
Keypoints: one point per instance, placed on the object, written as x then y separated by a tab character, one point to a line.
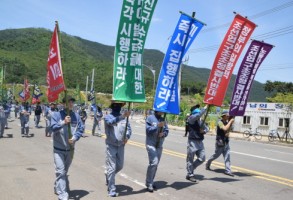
265	117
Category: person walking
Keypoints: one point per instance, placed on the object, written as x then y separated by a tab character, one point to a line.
48	115
64	145
115	127
38	112
98	114
222	143
195	144
24	115
3	120
156	132
16	109
7	109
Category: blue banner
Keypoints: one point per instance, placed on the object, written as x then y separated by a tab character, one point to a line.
167	98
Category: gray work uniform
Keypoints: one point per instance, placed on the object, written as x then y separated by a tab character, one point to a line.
98	114
225	150
24	115
62	154
195	144
48	115
115	129
3	120
154	145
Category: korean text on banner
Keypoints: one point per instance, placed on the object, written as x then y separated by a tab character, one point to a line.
55	79
167	97
225	61
252	60
135	19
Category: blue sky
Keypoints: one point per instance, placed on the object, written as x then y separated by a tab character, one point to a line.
97	20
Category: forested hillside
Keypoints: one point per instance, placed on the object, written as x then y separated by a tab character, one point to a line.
24	52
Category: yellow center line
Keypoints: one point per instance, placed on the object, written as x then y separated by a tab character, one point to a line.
256	174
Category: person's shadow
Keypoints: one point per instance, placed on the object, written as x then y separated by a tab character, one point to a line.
77	194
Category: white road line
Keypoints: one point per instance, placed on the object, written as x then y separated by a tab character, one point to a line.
132	180
261	157
278	151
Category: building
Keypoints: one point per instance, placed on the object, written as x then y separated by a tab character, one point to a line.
265	117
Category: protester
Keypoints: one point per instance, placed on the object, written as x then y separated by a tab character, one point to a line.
24	115
195	144
3	120
115	124
156	132
48	115
38	112
64	145
7	110
83	115
16	110
98	114
222	143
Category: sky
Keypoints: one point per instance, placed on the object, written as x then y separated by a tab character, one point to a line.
98	20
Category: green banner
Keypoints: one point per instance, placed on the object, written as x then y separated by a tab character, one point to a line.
128	81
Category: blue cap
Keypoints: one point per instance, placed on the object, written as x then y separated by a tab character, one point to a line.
225	112
195	111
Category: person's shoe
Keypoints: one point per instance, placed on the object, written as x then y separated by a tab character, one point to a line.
113	194
150	188
191	178
229	174
208	167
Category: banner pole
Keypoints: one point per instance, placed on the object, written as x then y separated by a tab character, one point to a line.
160	130
127	119
65	91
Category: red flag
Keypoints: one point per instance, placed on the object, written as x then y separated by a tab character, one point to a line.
25	93
225	61
55	79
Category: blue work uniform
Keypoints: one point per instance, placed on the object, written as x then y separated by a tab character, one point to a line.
115	125
154	145
62	154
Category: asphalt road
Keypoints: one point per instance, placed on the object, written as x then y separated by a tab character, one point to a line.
262	171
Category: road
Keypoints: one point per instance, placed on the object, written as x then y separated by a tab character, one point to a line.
262	171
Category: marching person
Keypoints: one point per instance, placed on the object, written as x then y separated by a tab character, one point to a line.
64	145
98	114
24	115
156	132
195	144
7	110
222	143
38	112
48	115
115	127
83	115
3	120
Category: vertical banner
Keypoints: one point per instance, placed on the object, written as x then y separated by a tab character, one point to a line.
167	97
36	94
135	19
225	61
25	93
252	60
55	79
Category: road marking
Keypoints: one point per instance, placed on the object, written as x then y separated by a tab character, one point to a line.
256	174
262	157
278	151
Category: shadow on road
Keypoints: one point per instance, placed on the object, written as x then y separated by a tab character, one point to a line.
77	194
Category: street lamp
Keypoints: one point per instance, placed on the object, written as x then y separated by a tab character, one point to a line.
154	74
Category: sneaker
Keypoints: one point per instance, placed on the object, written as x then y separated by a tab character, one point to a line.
191	178
229	174
113	194
150	188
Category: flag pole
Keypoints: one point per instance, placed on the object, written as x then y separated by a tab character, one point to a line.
127	119
65	91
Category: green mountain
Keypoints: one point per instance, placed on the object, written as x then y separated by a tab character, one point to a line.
24	52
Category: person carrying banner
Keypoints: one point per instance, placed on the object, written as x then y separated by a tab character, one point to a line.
115	127
48	115
156	132
62	144
98	114
222	142
38	112
195	144
24	115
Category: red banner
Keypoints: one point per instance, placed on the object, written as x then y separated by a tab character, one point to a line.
55	79
226	59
